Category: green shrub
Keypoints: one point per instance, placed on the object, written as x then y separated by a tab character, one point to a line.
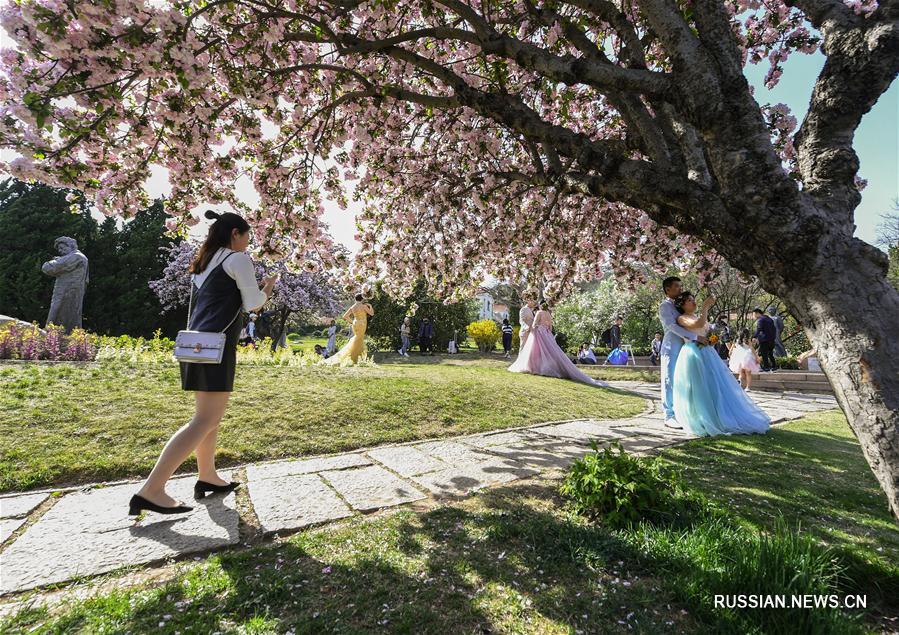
619	488
378	343
787	363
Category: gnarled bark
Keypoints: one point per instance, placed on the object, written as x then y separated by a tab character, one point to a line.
849	312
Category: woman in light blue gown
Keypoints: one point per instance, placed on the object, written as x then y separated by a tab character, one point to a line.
707	399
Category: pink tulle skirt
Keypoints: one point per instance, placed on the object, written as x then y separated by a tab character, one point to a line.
743	358
540	355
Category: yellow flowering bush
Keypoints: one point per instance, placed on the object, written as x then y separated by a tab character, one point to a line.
485	334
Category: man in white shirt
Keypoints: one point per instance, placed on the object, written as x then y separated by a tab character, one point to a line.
526	320
675	336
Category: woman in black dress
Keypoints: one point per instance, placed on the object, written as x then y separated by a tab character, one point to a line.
223	284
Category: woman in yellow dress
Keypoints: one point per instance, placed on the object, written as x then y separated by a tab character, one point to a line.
354	349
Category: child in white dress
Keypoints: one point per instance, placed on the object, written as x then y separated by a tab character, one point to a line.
744	359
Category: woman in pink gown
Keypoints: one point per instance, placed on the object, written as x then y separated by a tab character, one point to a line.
540	354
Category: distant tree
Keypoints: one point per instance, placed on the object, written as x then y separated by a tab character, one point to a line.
584	315
32	217
123	258
448	319
298	295
508	294
888	238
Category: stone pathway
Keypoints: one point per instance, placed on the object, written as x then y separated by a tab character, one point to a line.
54	537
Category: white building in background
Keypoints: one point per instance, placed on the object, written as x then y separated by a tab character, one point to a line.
500	312
485	305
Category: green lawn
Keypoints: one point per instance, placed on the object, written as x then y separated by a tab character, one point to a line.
302	344
66	424
517	560
813	474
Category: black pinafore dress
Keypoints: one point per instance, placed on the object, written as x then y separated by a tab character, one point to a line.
217	307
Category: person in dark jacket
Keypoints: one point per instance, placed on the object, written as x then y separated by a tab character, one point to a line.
425	336
615	341
508	331
779	349
223	285
765	335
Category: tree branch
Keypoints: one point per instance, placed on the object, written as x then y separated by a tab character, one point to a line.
862	62
563	68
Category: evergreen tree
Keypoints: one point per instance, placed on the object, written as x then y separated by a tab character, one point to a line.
32	217
448	319
123	259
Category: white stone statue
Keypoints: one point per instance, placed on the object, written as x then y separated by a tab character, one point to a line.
70	271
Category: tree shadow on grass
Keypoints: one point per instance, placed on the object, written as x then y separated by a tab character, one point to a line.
499	566
508	560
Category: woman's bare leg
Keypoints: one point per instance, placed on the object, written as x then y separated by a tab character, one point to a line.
209	411
206	458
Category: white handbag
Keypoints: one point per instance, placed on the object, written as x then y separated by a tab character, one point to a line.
200	347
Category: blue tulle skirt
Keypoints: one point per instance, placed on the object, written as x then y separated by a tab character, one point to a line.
708	400
618	357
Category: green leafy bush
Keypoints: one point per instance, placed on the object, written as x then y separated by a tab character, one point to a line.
619	488
787	363
378	343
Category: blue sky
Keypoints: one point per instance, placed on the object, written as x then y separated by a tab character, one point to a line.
876	140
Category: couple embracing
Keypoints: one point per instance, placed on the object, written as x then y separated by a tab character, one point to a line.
698	391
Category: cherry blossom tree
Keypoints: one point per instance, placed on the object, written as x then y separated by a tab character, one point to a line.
529	138
297	294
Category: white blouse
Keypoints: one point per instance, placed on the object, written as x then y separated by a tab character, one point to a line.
240	268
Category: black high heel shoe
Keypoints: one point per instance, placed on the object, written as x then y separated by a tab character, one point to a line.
139	504
201	488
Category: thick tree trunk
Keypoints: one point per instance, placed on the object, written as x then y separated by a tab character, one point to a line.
851	315
278	341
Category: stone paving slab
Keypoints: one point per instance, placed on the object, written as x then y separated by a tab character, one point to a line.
467	478
499	438
305	466
8	526
542	455
292	501
583	431
804	396
90	532
20	505
372	487
782	414
639	444
805	406
406	460
453	452
674	435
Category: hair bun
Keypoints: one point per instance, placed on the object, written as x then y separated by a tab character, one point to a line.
211	215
